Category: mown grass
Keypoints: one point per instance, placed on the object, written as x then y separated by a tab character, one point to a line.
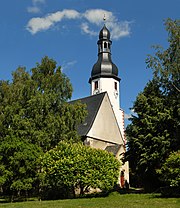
114	200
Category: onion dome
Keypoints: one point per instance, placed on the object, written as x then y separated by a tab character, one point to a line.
104	33
104	67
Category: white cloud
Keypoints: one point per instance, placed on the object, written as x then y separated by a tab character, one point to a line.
38	24
127	116
90	18
68	65
118	29
96	16
35	8
85	29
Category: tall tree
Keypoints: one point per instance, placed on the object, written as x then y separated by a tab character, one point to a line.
34	112
166	63
148	138
166	68
155	126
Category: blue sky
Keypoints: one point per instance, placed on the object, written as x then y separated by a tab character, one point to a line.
67	31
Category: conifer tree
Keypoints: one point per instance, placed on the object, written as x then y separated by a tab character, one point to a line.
154	131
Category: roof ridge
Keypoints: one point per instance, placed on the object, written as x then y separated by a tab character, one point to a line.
87	97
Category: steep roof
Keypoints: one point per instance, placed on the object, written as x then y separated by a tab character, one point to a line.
93	104
104	33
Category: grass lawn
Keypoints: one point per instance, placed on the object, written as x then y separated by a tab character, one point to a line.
114	200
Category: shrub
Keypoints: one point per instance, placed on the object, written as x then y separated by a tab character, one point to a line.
69	166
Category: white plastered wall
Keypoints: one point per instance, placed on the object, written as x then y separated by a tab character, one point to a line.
105	126
107	85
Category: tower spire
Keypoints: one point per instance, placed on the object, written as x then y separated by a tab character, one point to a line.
104	67
104	18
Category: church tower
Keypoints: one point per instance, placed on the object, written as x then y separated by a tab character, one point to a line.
104	76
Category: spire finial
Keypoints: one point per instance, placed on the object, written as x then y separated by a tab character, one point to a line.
104	18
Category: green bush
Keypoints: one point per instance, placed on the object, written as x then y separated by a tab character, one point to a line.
170	171
69	166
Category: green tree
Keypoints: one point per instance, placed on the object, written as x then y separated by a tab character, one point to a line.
35	111
148	138
170	171
19	171
166	63
155	125
166	68
69	166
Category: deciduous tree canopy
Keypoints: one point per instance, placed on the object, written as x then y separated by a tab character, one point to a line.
34	117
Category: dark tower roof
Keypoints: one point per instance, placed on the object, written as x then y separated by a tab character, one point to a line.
104	67
104	33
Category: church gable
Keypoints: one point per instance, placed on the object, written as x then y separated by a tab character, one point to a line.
104	126
93	104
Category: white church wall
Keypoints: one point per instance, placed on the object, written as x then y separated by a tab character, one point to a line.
105	127
95	143
107	85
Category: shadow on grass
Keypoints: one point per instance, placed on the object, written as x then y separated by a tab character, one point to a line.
169	192
166	192
102	194
8	199
116	190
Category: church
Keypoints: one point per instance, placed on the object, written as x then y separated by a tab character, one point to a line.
103	127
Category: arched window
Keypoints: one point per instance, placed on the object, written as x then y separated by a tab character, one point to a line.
115	85
105	45
96	85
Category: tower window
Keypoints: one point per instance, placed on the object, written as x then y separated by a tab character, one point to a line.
105	45
96	85
115	85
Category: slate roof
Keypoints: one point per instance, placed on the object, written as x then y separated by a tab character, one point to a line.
93	104
104	33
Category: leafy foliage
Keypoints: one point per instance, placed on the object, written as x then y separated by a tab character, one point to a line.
34	117
18	164
149	140
154	131
170	171
69	166
166	68
166	63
